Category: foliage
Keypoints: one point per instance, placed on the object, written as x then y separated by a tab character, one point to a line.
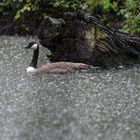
34	11
72	5
105	5
131	12
127	10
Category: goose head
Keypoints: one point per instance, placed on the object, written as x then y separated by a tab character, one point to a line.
32	45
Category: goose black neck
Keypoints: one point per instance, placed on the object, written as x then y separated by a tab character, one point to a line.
35	58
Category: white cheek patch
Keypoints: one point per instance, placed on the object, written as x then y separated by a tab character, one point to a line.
34	47
30	70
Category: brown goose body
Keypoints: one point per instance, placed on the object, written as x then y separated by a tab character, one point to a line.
61	67
57	67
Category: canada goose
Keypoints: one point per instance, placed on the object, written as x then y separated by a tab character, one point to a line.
57	67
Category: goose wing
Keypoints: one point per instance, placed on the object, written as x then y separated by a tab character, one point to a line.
63	67
67	65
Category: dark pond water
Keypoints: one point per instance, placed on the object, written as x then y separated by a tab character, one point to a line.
98	105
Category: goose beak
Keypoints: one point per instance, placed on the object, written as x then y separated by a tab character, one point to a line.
26	47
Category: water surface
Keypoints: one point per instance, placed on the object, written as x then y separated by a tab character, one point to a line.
98	105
